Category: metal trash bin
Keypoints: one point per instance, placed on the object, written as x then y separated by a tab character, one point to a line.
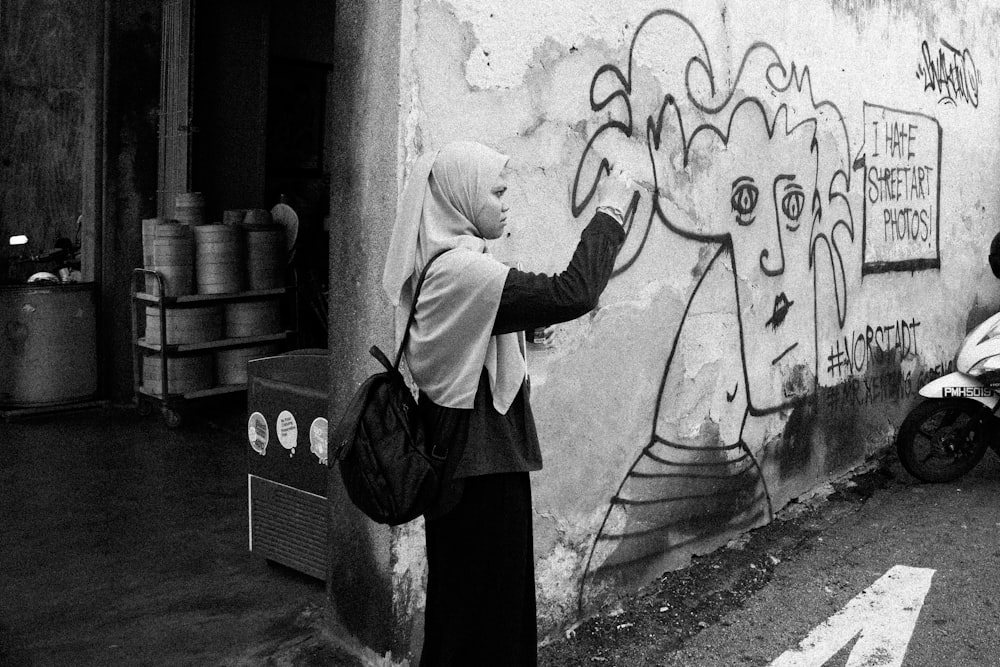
287	459
48	345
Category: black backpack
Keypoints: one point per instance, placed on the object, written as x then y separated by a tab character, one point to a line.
388	465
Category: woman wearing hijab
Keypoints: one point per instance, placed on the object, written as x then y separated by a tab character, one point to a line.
465	357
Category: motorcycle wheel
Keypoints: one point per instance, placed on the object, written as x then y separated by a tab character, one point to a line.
935	441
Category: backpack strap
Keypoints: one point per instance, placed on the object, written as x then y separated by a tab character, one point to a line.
413	310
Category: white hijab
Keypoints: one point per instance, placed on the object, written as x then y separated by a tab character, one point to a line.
450	341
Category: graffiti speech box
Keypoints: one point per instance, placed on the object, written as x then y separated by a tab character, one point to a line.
901	161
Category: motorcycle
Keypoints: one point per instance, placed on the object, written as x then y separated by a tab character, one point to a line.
946	435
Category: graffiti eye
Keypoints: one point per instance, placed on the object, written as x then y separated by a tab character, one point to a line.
793	203
744	200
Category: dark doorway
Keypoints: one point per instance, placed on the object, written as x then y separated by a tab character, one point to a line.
259	127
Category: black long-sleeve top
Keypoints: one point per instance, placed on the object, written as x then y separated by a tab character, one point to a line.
483	441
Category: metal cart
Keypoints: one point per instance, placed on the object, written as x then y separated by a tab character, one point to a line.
172	404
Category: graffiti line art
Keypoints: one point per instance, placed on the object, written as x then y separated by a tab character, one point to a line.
772	172
901	163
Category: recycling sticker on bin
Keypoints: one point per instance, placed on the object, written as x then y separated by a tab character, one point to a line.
288	431
257	433
318	439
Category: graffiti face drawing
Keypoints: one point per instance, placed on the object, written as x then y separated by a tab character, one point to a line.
763	180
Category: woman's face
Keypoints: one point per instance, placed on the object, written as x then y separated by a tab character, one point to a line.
491	219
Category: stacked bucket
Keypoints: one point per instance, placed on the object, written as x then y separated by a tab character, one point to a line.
218	259
168	248
244	319
247	252
265	250
189	208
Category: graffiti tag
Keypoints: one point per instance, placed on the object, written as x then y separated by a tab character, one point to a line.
951	73
888	386
875	345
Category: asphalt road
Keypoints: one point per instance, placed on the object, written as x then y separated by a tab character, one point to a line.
110	565
798	575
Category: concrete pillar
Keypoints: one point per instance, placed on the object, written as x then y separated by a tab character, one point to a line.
364	132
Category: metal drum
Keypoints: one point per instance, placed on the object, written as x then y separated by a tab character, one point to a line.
48	344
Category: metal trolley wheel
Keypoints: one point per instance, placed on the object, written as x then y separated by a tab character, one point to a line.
143	406
172	416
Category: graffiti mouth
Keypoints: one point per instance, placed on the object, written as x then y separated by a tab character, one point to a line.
781	307
782	355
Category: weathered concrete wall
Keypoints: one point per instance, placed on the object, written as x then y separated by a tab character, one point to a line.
43	85
78	136
807	247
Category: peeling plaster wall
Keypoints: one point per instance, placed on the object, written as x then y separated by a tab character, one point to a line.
807	246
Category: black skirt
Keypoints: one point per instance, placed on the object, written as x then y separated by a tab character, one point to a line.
481	577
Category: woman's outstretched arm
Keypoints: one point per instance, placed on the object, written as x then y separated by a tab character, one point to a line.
532	300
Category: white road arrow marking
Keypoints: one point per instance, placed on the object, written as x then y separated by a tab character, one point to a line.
884	615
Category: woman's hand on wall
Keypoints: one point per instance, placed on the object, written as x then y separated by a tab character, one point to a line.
615	192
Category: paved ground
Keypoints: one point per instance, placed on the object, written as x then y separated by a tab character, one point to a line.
748	604
123	542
